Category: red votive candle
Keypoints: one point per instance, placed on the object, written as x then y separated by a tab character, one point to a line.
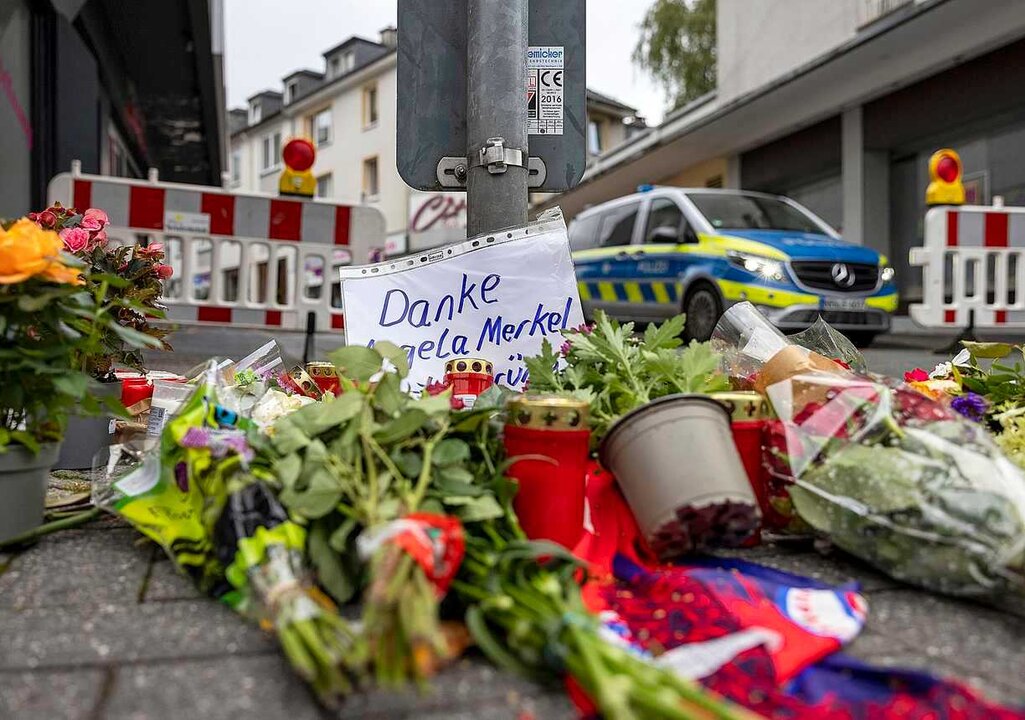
468	378
554	431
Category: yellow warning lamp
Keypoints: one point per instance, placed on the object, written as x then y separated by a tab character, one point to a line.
296	179
945	186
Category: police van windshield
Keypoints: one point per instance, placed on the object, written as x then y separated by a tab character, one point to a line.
751	212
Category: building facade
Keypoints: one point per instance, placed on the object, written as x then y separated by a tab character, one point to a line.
839	105
349	111
122	87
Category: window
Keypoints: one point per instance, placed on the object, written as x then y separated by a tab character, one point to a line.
322	128
348	61
593	137
236	166
583	232
291	90
369	106
665	221
254	112
270	152
334	68
325	186
617	225
751	212
371	189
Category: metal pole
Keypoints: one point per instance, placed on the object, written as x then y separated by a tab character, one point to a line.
496	107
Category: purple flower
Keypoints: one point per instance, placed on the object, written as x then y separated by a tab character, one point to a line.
971	405
565	348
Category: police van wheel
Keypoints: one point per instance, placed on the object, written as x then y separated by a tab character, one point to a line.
703	310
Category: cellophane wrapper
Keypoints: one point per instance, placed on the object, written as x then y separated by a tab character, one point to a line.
900	481
886	473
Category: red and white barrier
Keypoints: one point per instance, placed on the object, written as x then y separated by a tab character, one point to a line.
243	260
973	262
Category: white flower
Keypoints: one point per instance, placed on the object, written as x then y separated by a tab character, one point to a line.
941	371
962	359
275	404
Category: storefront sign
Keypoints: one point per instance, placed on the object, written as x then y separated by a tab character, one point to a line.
497	302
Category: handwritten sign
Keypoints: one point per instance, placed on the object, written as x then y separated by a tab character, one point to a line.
491	297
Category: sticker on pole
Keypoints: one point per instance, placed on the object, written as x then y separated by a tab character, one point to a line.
495	296
545	76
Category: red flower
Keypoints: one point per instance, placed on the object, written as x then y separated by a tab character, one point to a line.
916	375
841	363
46	219
163	271
436	388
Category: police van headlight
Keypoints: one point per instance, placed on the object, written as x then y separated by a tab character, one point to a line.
887	273
765	267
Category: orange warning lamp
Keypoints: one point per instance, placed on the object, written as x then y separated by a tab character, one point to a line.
296	179
945	186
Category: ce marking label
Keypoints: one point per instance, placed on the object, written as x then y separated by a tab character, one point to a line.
551	78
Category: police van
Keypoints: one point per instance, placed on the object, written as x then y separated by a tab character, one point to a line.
665	250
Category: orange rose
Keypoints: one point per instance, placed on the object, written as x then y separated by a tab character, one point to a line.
26	250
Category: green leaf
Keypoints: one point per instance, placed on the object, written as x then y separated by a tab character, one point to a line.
319	496
401	427
316	418
449	452
479	509
339	539
666	335
72	384
287	469
397	356
356	362
134	338
988	350
287	437
333	574
26	439
410	463
34	303
440	404
388	396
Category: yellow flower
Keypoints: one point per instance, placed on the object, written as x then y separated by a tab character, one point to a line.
936	389
27	250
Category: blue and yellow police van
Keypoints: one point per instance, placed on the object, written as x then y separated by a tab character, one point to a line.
665	250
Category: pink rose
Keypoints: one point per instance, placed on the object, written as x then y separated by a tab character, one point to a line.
93	219
100	239
163	271
153	250
46	219
76	239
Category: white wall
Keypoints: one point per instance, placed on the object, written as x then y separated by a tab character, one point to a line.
761	40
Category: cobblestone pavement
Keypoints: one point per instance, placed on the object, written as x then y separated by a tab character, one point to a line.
96	624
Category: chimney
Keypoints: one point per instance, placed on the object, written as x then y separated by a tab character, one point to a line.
390	37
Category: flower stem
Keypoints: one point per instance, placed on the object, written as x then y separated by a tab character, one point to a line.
51	527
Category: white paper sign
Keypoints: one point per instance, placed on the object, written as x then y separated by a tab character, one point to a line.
189	222
496	301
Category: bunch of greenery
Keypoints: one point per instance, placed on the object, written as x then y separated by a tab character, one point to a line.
375	454
677	46
616	371
51	316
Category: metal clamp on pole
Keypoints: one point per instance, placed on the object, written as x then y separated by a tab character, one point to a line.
496	157
452	170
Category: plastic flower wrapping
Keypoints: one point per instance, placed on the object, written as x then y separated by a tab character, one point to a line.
890	475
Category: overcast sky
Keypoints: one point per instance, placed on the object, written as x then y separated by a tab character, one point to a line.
267	39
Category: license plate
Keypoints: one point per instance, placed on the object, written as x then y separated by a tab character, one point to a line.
843	303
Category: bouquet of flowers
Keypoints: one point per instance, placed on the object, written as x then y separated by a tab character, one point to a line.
889	474
129	279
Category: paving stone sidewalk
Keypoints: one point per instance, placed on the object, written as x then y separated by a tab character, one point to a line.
95	623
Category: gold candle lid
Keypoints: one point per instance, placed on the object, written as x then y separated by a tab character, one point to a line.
321	369
744	405
479	366
301	378
547	412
